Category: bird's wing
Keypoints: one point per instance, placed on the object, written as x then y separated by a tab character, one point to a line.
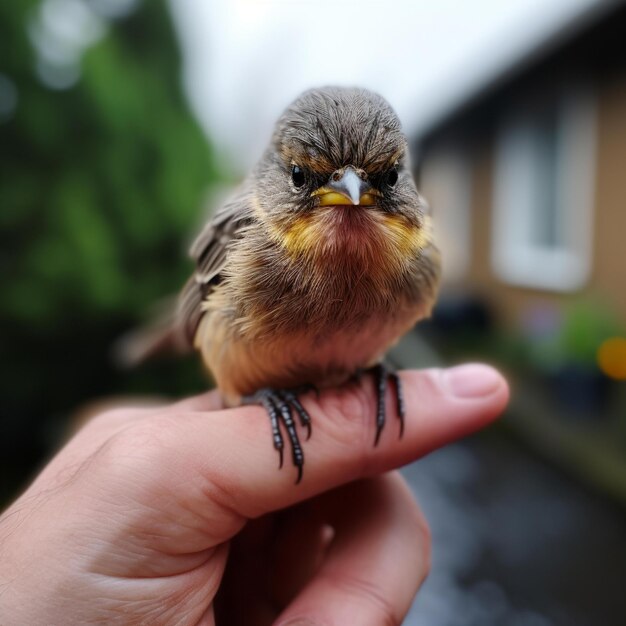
209	251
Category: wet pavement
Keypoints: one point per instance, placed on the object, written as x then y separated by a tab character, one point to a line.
515	542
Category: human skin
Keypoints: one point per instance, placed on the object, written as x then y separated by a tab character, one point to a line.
177	514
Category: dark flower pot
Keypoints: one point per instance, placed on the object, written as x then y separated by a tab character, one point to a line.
580	390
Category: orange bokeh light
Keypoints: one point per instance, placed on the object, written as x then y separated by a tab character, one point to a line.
612	357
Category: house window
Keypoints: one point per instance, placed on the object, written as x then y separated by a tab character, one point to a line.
543	194
445	183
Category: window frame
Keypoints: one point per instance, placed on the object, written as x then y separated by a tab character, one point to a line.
515	259
446	182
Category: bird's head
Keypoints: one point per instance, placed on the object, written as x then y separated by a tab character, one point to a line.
337	174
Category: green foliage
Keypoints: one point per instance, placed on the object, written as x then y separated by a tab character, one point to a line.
585	325
101	183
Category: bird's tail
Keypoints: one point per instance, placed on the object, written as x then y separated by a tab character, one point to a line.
158	338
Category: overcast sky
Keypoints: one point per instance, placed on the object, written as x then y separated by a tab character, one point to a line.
245	60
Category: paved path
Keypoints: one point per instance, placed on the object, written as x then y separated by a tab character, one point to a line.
515	542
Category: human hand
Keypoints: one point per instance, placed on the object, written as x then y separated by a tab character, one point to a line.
136	519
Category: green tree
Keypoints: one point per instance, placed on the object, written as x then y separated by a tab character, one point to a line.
101	182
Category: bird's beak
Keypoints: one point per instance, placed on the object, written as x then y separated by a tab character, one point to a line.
346	187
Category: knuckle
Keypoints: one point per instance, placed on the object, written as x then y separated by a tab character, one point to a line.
365	591
349	412
139	445
109	417
139	438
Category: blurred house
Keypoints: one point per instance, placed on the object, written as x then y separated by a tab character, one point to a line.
527	183
527	179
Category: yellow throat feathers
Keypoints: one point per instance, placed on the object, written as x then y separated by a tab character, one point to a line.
388	237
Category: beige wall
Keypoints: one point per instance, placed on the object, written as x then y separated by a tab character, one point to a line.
609	264
608	278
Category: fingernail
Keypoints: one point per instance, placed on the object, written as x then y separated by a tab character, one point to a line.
472	380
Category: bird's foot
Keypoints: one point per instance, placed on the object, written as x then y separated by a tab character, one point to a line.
279	404
383	375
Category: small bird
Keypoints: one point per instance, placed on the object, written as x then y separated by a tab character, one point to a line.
321	261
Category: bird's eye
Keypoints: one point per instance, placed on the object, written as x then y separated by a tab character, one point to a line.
297	175
391	177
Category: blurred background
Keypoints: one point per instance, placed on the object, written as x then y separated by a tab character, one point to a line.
123	122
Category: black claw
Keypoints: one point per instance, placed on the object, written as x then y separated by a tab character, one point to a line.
379	430
285	413
270	406
279	404
299	475
305	418
382	375
399	399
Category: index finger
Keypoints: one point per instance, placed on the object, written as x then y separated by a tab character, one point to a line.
232	451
